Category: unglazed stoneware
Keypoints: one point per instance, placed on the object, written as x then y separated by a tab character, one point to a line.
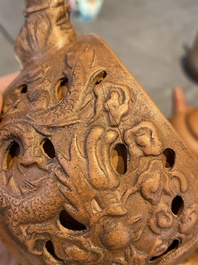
91	171
192	260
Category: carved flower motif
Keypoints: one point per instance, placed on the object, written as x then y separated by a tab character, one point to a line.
161	219
153	181
143	140
115	101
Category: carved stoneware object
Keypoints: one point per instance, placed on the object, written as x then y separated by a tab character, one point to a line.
91	171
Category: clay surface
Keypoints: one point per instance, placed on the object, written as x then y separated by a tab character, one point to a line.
192	260
91	171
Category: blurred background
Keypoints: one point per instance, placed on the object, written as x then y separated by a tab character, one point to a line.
149	36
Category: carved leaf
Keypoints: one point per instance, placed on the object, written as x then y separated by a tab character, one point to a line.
114	99
189	219
151	182
143	140
116	107
137	227
182	181
159	247
161	219
151	189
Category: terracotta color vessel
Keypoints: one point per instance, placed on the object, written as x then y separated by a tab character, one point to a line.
185	120
91	171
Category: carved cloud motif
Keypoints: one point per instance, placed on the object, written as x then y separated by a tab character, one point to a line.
114	99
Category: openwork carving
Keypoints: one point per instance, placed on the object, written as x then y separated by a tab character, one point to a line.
91	172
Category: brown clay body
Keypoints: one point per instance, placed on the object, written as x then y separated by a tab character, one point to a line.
185	121
91	171
192	260
5	257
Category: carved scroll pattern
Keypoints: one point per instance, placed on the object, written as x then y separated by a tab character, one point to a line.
84	183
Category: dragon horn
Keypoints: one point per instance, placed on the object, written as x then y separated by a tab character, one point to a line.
47	25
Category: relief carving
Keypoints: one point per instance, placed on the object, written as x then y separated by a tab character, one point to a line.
114	99
84	179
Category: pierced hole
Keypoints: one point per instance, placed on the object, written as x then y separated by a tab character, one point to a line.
100	77
177	205
48	148
119	158
50	248
169	157
62	88
70	223
173	246
22	89
13	153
